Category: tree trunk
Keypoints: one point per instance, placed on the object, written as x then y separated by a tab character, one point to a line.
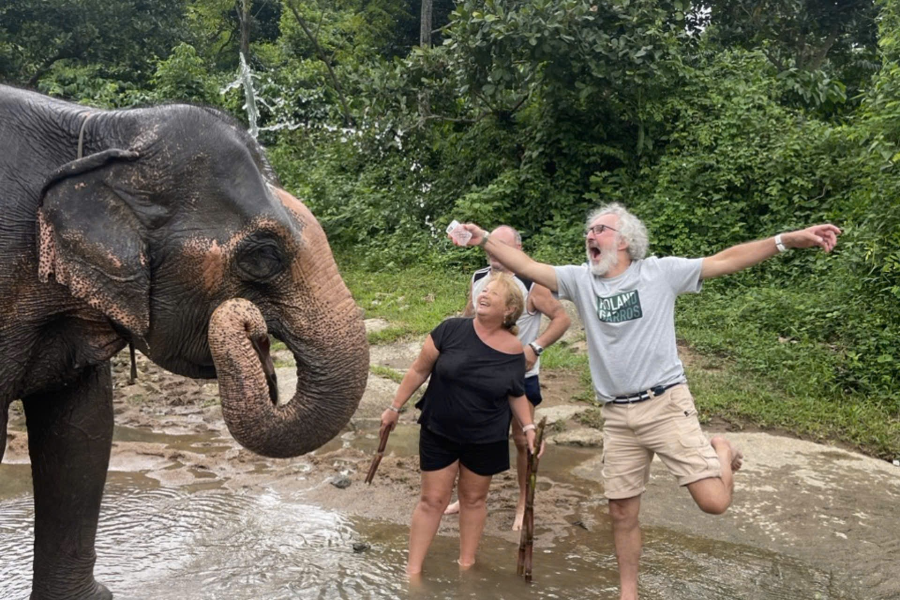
425	42
348	118
425	24
244	14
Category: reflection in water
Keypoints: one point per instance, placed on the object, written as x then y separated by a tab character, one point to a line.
215	544
164	543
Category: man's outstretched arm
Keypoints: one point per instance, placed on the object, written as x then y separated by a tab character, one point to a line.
515	260
738	258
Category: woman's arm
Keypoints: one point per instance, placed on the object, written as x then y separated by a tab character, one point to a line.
520	410
413	380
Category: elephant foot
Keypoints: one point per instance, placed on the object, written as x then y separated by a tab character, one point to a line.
97	591
102	593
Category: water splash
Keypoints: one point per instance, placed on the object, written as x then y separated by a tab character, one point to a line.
245	80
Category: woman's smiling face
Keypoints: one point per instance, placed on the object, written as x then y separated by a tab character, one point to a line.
491	302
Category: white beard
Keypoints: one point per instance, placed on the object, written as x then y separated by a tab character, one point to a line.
608	260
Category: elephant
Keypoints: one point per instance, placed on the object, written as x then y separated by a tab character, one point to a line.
166	228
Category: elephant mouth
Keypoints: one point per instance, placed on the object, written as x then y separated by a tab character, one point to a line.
206	369
330	379
262	347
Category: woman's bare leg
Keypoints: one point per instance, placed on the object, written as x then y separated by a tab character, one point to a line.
473	490
436	489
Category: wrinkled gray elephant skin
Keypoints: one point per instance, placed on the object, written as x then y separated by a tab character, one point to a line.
171	216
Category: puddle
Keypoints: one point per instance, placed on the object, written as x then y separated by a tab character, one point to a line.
203	541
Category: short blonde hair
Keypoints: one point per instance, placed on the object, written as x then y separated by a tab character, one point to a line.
512	297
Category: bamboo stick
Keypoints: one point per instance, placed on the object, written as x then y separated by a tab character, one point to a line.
526	539
376	460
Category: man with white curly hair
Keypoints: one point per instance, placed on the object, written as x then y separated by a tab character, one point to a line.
627	304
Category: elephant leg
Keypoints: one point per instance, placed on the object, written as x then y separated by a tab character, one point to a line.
69	440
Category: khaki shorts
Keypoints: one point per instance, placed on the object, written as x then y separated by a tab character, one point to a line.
666	425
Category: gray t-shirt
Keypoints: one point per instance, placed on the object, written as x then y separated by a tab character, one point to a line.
629	321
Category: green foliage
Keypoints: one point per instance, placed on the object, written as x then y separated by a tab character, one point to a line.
123	36
387	373
746	400
92	84
184	76
819	46
413	300
773	115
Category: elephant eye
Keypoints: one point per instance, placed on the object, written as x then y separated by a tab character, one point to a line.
261	262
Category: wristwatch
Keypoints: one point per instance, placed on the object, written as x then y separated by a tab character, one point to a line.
779	244
484	239
538	349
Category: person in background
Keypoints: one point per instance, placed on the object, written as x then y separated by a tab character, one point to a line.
477	371
627	303
538	302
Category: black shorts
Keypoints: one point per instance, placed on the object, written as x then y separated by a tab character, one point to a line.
437	452
533	390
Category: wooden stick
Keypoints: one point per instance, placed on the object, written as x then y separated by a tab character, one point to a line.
526	539
376	460
133	377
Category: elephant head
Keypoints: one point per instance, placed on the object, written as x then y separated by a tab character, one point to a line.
176	214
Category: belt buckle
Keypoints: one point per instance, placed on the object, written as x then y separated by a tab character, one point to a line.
659	390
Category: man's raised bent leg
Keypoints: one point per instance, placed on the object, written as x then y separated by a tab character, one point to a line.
714	494
672	429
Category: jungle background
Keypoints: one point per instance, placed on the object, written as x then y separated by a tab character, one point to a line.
716	121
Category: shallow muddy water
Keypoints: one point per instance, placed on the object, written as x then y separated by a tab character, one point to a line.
209	542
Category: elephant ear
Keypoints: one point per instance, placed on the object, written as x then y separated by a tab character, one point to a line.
90	240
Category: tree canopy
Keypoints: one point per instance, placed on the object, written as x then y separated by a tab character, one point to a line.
717	122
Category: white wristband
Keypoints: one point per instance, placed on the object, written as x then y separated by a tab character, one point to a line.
393	408
778	243
529	427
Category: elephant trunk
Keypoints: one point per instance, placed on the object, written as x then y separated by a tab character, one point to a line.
332	367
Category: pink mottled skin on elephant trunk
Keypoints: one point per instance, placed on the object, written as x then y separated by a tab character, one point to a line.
331	378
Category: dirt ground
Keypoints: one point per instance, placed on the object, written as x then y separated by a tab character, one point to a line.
820	503
162	404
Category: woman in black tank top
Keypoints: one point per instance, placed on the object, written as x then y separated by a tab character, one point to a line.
477	369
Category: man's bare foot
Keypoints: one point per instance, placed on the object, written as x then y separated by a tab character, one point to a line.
520	517
737	459
517	524
452	508
737	456
466	565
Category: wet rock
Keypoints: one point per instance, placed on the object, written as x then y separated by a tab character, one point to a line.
360	547
558	413
287	383
374	325
587	438
379	393
340	482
